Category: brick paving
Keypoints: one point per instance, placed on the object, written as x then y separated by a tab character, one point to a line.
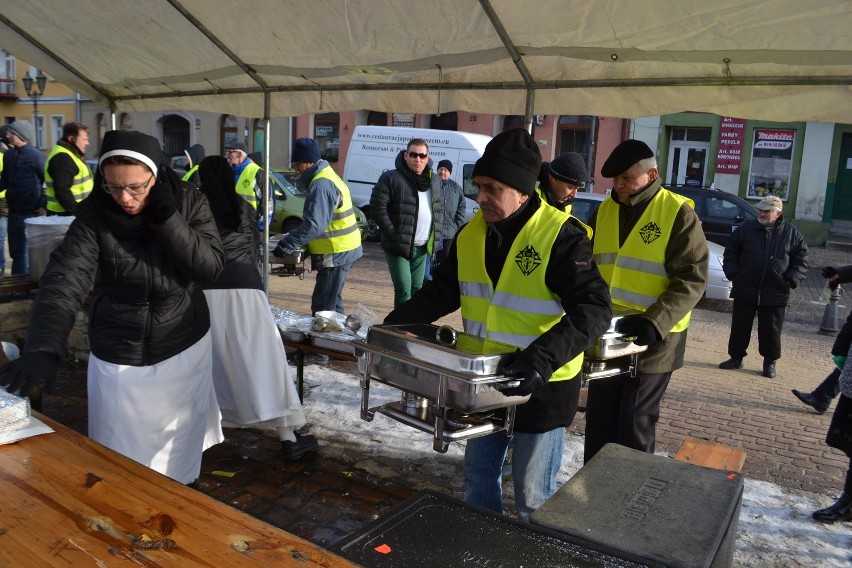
322	499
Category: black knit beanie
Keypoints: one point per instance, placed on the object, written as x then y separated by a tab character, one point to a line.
445	164
570	168
512	157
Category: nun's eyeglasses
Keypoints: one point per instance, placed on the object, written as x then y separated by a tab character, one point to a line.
133	189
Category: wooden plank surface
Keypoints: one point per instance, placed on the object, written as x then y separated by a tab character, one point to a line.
65	500
711	454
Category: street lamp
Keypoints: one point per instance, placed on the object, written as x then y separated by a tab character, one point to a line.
35	95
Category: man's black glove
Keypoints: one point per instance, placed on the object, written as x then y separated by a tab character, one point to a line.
530	379
281	252
792	283
642	329
162	204
829	272
28	371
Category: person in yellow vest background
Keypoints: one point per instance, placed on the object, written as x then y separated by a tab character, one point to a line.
329	227
649	247
4	208
522	275
248	178
66	176
193	155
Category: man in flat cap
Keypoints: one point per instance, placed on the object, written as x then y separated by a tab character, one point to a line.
649	247
764	260
522	275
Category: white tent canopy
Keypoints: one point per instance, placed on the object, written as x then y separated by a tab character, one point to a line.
773	59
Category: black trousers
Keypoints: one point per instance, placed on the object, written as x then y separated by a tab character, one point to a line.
624	410
770	320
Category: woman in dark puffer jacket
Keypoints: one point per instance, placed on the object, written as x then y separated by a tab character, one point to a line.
149	244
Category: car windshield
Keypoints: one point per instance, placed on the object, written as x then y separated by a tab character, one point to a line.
282	181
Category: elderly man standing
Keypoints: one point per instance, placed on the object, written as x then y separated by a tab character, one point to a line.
329	227
765	259
522	274
649	246
454	209
406	205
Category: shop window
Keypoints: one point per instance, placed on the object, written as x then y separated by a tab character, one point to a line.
375	118
257	137
575	133
513	121
447	121
175	135
771	163
691	134
327	135
227	132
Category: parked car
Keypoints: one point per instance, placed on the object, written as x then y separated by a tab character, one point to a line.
718	287
720	212
290	201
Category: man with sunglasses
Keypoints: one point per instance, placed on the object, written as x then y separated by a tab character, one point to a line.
406	205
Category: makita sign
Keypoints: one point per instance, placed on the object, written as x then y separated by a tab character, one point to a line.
775	135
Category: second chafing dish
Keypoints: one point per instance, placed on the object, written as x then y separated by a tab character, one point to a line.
612	353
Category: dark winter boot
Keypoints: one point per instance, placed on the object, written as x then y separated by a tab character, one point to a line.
840	511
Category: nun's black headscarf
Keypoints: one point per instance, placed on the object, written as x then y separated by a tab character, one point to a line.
142	149
217	183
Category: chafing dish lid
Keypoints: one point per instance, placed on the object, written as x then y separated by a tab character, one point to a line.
470	353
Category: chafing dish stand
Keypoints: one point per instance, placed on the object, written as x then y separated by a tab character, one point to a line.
612	353
449	391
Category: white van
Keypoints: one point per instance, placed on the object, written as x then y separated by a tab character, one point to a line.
374	149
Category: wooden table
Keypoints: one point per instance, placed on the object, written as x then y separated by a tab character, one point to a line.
65	500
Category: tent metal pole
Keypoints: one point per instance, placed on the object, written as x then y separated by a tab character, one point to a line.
528	110
265	202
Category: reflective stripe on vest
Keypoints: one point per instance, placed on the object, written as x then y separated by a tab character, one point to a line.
81	186
188	175
636	271
245	184
342	233
522	307
567	211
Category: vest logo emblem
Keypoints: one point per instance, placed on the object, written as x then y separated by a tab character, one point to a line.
528	260
650	233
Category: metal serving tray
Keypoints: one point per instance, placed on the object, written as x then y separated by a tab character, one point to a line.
334	343
464	377
293	258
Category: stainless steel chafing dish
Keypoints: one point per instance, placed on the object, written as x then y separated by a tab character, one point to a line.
450	382
612	353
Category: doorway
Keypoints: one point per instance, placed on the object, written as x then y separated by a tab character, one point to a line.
688	151
842	209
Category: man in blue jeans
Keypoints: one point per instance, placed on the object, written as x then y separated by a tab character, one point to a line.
329	227
22	179
522	274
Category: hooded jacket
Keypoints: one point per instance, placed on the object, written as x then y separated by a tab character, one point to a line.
145	279
23	179
765	263
393	206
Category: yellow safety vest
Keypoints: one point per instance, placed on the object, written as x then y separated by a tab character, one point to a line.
188	175
567	211
522	307
342	233
245	184
80	188
636	272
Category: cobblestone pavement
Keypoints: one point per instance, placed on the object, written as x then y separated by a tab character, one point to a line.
322	499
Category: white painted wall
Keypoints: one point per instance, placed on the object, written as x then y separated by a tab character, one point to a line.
813	177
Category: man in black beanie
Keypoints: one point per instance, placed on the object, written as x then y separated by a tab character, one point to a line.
562	178
649	247
516	268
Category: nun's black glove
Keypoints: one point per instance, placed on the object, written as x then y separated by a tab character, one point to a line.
162	204
28	371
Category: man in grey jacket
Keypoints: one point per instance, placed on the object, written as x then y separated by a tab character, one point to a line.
329	227
452	197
